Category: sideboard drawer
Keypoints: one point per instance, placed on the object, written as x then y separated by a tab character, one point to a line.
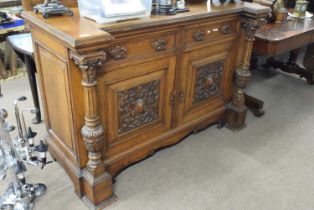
204	33
140	47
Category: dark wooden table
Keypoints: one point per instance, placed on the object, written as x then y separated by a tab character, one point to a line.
23	46
274	39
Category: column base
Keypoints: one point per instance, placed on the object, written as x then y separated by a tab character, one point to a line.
102	205
98	191
235	117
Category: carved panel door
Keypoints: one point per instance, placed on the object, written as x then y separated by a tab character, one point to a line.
138	101
204	82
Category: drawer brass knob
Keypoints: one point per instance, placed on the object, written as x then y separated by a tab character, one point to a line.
199	36
173	97
208	81
118	52
139	106
226	29
160	45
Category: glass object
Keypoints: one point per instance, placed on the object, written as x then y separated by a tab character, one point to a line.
3	164
105	11
14	155
281	15
300	8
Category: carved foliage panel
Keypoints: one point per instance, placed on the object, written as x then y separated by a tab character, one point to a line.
138	106
208	81
136	102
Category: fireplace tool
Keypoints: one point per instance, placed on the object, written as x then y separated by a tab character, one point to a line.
15	154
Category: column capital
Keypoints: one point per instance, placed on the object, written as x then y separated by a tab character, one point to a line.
250	25
88	63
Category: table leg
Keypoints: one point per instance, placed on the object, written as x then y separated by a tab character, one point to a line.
30	67
13	63
10	59
254	105
254	61
308	61
291	66
7	54
3	72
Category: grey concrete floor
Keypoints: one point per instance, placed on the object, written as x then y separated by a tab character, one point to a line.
267	165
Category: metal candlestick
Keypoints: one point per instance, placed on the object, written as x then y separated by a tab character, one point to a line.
14	156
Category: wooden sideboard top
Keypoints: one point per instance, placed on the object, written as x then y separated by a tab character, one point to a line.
77	32
276	32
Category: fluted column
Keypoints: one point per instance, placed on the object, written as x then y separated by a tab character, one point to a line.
92	132
96	179
236	113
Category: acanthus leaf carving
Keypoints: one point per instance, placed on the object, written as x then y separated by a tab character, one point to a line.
250	26
88	64
138	106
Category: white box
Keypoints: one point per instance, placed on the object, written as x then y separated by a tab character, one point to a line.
106	11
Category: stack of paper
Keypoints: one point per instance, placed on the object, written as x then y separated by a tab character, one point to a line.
117	8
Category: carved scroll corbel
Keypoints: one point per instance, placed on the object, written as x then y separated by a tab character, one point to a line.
92	131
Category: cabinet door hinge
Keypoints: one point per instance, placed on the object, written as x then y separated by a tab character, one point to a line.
182	96
173	97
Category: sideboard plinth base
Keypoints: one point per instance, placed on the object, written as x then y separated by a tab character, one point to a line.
102	205
93	185
235	117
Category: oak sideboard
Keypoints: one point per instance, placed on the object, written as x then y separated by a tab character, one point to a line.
115	93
